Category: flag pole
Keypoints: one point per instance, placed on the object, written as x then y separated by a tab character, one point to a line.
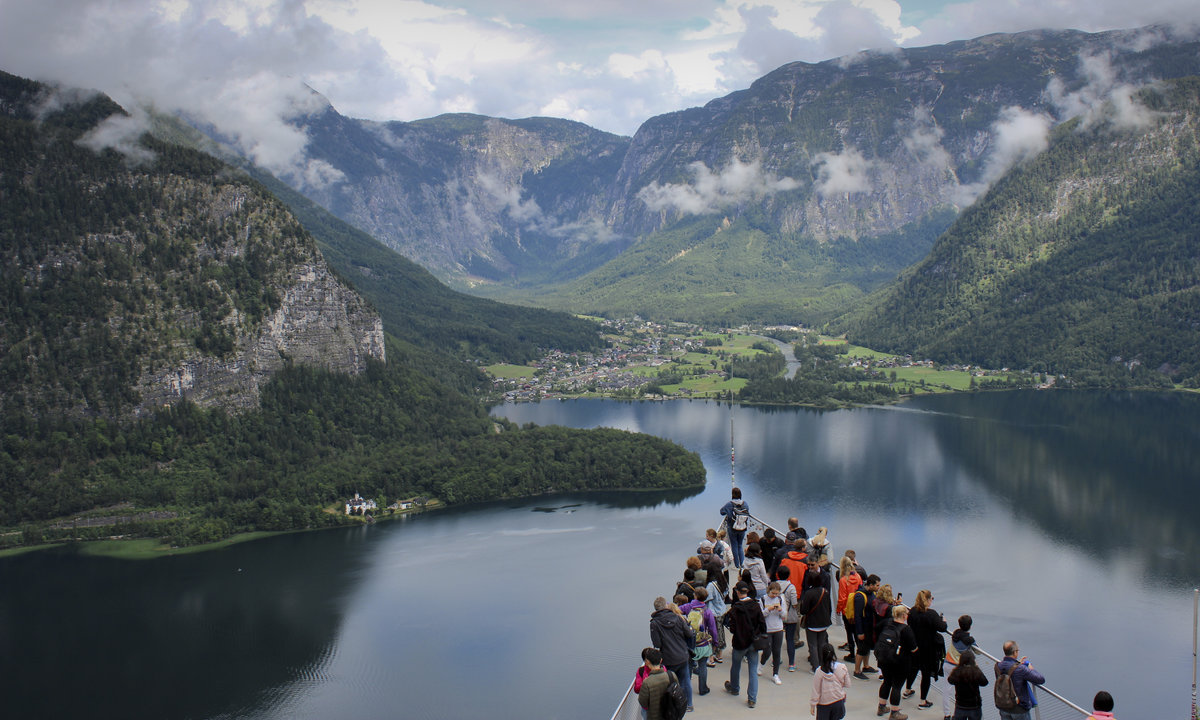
1195	625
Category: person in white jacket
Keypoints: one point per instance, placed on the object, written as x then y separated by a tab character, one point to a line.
830	681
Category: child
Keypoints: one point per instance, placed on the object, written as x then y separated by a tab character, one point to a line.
1102	706
774	613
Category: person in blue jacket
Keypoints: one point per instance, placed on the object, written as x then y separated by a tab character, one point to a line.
1022	678
736	513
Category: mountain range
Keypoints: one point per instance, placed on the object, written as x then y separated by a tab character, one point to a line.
788	201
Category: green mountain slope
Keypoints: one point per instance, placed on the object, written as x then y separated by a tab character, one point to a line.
1086	260
120	264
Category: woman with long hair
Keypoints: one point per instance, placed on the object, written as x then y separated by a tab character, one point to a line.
967	678
828	700
927	625
848	583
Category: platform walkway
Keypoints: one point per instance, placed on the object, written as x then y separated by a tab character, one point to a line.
791	698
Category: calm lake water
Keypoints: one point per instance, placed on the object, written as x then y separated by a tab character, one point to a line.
1066	521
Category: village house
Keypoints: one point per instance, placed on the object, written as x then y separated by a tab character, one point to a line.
359	505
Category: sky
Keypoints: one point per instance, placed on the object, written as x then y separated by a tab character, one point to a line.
611	64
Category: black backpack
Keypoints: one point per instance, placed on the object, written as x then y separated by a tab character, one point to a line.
1005	693
673	705
887	649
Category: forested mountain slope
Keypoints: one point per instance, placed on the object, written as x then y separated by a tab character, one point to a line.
1085	260
174	351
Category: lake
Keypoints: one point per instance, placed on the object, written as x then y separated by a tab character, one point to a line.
1063	520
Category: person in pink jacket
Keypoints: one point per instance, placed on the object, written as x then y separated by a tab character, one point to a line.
828	701
1102	707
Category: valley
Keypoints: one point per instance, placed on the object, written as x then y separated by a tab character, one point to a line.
654	361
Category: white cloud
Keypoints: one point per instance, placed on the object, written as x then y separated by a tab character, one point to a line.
924	140
709	192
122	133
1102	99
842	173
1017	136
508	199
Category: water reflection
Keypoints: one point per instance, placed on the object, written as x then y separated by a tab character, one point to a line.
130	638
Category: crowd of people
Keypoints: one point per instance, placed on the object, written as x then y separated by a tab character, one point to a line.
744	597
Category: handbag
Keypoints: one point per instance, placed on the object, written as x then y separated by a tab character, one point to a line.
762	641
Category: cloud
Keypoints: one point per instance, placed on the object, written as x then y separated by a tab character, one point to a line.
1103	99
709	192
924	140
122	133
1017	136
842	173
508	199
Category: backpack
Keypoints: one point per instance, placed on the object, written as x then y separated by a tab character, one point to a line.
673	705
848	613
887	650
739	517
1005	694
695	618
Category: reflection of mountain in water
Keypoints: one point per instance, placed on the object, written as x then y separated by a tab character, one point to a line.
1070	460
127	634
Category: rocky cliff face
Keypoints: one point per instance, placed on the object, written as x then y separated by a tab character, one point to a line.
319	322
138	277
470	196
853	148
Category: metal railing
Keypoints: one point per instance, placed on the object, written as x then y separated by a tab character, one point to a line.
629	708
1057	707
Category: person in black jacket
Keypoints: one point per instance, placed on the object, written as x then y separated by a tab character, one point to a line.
816	605
927	625
746	622
967	678
895	671
671	634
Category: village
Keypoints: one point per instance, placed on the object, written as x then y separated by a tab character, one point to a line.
653	360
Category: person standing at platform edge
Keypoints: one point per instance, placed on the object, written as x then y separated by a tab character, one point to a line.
672	635
737	517
746	622
1023	675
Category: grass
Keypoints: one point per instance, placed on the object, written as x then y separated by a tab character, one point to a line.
509	372
956	379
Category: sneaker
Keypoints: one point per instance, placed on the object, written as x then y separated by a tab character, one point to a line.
881	711
791	668
909	693
849	658
870	670
775	679
897	715
729	688
860	676
691	709
844	646
750	703
925	704
758	670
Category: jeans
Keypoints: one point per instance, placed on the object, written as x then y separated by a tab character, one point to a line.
816	640
968	714
737	543
1021	714
789	634
683	671
740	657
